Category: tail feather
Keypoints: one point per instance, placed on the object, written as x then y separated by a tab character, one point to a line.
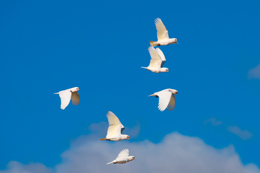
153	43
109	163
102	139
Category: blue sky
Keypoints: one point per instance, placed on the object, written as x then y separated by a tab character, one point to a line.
100	46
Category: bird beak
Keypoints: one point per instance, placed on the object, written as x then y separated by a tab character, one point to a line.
151	95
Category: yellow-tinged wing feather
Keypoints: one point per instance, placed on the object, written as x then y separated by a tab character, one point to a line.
115	125
156	60
75	98
162	32
171	105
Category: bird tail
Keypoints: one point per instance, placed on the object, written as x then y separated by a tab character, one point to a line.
102	139
153	43
109	163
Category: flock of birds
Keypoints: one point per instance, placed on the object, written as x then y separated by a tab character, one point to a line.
166	97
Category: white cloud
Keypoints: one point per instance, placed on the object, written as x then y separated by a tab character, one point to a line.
175	153
16	167
213	122
243	134
254	73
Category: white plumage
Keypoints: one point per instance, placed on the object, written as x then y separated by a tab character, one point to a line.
162	35
166	99
67	95
115	128
157	60
123	157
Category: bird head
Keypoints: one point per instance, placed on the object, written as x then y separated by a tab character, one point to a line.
125	137
174	41
164	69
131	158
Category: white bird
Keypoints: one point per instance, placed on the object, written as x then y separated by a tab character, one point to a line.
162	35
115	128
123	157
67	95
166	99
157	61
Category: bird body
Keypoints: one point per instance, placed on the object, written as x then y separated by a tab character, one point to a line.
162	35
157	61
67	95
166	99
115	128
123	157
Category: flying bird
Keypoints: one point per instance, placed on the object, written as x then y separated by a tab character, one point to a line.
162	35
67	95
157	61
115	128
123	157
166	99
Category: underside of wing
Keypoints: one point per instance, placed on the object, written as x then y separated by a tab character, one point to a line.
123	154
156	60
162	32
115	125
171	105
65	97
75	98
161	56
113	131
164	99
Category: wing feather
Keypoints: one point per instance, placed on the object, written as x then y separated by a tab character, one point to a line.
75	98
164	99
161	56
65	97
156	60
123	154
162	32
115	125
171	105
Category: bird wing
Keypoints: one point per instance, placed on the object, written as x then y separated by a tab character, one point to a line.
164	99
162	32
65	97
156	60
161	56
75	98
115	125
123	154
171	105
